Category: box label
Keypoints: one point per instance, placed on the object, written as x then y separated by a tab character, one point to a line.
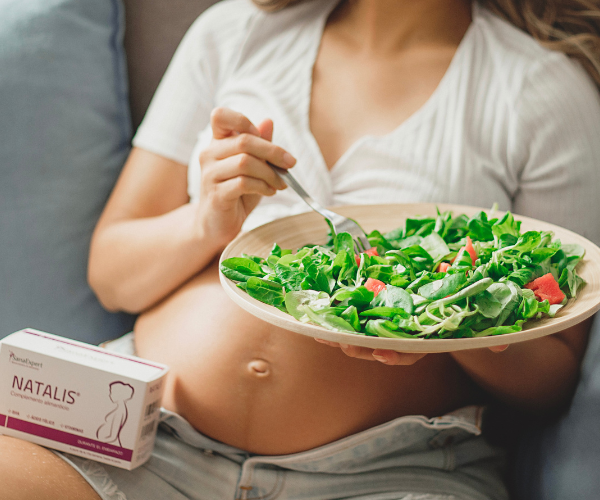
69	439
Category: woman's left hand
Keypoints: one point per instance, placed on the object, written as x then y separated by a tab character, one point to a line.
386	356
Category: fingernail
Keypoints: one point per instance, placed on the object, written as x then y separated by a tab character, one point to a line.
289	160
344	346
381	359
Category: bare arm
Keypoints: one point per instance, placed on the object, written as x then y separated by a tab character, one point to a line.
149	240
535	376
146	242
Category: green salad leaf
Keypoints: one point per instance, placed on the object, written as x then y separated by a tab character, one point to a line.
437	277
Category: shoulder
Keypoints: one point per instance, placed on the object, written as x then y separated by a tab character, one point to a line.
228	17
233	31
505	42
224	19
523	68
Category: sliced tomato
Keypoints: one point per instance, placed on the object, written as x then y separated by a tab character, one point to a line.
546	287
468	248
371	251
471	249
443	267
374	285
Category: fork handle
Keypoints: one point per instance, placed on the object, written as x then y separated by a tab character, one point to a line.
291	181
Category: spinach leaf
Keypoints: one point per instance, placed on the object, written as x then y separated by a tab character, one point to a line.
343	241
506	226
479	228
500	330
435	246
240	268
358	296
266	291
327	318
398	297
379	272
420	226
439	289
385	312
521	276
351	316
292	278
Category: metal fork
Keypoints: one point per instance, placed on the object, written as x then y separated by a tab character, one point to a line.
340	223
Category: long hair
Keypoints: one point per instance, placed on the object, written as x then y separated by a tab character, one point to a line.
569	26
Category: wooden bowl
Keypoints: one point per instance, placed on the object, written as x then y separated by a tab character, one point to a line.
298	230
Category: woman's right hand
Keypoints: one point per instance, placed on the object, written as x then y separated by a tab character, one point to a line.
235	174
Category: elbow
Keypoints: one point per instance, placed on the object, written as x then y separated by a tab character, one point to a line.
103	291
113	296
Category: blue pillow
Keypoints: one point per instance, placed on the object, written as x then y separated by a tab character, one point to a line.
561	459
64	136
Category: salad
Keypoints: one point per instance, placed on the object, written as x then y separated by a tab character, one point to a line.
437	277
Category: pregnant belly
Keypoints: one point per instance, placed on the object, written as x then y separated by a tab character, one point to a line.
251	385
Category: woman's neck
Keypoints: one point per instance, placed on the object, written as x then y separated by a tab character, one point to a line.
387	26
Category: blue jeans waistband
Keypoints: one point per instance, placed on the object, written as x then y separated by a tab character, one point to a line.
409	440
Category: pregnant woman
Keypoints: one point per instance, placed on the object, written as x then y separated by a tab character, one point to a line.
368	101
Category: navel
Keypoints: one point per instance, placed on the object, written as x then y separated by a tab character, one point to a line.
259	367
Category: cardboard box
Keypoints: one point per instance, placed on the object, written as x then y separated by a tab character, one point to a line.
79	398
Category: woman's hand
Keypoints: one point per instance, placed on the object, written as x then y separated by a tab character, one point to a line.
386	356
235	173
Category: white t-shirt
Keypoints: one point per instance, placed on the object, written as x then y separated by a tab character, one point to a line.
510	122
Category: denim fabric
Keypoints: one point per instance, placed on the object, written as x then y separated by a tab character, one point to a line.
409	458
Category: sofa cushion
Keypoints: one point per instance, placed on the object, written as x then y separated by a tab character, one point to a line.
65	131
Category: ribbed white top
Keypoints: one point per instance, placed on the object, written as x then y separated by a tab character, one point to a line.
510	122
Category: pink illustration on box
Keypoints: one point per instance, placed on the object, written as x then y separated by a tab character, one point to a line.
115	420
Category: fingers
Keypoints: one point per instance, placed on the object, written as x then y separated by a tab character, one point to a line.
252	145
266	129
397	358
498	348
232	189
226	122
382	355
246	165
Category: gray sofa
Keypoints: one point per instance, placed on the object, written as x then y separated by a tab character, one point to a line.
70	101
67	74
